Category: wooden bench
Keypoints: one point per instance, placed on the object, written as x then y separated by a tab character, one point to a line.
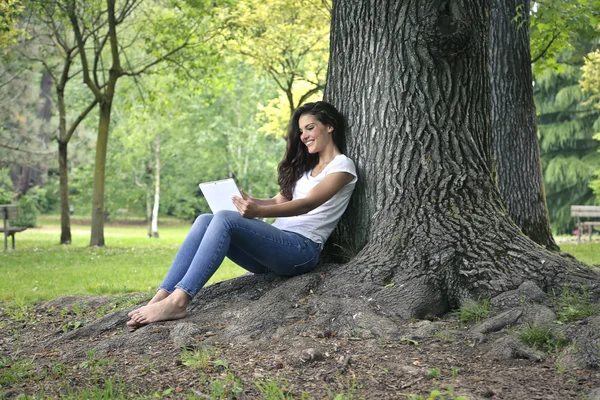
8	212
585	212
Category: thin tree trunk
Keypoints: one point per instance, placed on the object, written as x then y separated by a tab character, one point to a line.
156	187
514	126
97	235
63	172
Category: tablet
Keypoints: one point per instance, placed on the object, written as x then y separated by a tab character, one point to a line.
218	194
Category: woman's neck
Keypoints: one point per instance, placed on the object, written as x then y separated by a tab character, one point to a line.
327	155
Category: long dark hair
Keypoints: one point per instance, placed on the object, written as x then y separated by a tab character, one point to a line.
297	159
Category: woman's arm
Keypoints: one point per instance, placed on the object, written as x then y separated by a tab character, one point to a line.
278	199
322	192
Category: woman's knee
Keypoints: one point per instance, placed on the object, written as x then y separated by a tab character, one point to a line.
203	220
227	215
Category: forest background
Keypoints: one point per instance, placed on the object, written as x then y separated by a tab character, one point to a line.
205	91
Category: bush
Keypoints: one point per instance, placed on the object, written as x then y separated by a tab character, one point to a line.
28	212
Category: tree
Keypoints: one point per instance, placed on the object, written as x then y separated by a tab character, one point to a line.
51	44
9	13
287	39
590	82
556	25
514	130
566	128
86	18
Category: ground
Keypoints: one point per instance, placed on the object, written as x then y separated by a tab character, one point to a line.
442	355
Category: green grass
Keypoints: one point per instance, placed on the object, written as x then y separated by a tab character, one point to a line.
41	269
542	338
473	311
586	252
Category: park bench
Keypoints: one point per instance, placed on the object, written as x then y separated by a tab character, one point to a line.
585	212
9	212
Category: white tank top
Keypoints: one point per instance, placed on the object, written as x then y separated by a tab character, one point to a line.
318	224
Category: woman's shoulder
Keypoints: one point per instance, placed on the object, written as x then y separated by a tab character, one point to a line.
342	163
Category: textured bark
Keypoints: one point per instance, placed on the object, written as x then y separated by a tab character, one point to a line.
63	172
412	79
97	235
154	225
514	127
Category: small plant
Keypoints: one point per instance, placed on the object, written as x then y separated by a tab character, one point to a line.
572	305
437	394
92	361
542	338
434	373
353	386
455	372
13	371
274	389
473	311
72	325
198	359
227	388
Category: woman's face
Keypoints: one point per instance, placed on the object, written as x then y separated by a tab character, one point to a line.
314	134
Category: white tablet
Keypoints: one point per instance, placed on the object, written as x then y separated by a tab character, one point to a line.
218	194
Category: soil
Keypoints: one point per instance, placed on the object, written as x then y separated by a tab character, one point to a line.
315	366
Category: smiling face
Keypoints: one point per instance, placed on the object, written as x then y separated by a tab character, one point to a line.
314	134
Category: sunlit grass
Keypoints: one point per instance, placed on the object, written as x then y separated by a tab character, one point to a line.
586	252
41	269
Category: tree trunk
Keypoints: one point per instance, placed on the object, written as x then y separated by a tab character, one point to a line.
97	236
426	222
63	172
156	187
63	168
514	127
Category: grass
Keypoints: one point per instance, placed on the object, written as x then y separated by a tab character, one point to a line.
573	304
473	311
41	269
542	338
586	252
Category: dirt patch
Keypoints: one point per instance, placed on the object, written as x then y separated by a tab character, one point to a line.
443	356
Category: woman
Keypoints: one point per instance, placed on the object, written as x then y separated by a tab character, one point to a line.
316	182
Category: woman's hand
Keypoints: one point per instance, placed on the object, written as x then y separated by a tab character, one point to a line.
246	206
245	196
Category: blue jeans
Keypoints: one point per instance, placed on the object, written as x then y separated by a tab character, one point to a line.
251	243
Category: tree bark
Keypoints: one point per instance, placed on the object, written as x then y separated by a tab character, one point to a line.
426	223
63	172
156	187
514	127
97	235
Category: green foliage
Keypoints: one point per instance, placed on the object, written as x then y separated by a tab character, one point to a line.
434	373
289	41
473	311
556	25
566	130
6	193
572	304
542	338
274	389
28	211
198	359
437	394
13	371
10	10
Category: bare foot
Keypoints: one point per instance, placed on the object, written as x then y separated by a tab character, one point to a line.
159	296
170	308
